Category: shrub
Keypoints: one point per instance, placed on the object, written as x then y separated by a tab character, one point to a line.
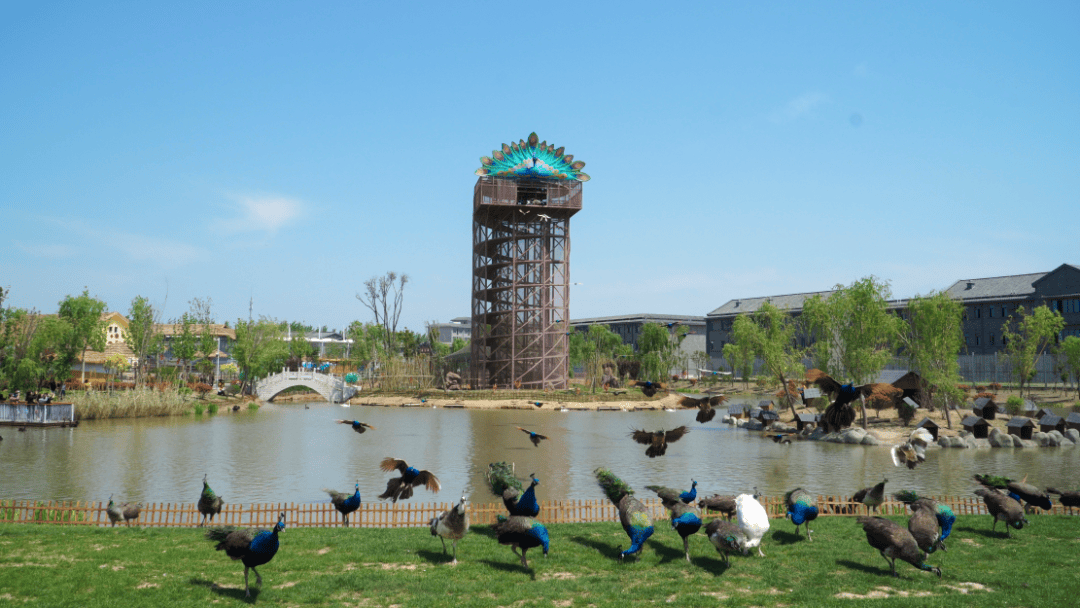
985	394
1014	405
199	409
905	412
994	386
1075	407
253	406
761	381
202	388
184	390
232	389
212	408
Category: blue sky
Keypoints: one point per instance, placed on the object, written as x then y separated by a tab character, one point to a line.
284	153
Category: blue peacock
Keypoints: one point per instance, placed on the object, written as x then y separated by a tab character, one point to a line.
633	515
669	496
503	483
359	427
344	503
521	532
686	522
800	509
534	437
532	159
253	547
402	487
944	514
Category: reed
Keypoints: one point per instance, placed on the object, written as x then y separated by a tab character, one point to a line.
136	403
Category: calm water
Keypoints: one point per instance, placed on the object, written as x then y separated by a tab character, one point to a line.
287	453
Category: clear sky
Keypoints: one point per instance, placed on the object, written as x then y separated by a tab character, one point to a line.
284	153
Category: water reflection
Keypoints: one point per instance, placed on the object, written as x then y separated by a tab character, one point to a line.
285	453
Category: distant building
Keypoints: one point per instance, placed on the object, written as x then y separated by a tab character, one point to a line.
458	327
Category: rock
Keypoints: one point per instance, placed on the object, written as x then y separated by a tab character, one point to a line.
958	442
869	439
1056	437
817	434
1072	435
965	434
994	434
854	435
1017	442
780	427
943	441
752	425
1028	443
1041	438
728	420
1000	440
980	443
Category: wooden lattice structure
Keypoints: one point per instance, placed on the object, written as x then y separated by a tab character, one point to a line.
411	515
521	274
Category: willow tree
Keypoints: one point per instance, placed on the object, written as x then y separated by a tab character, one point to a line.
592	348
658	349
770	332
932	339
854	333
1027	337
143	333
739	353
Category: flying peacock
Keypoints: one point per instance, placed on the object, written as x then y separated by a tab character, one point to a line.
658	440
704	404
725	505
521	532
357	426
633	515
402	487
894	542
253	547
800	509
871	497
209	503
944	514
1020	490
648	387
753	521
452	524
839	414
344	502
501	480
670	496
1004	508
725	536
533	437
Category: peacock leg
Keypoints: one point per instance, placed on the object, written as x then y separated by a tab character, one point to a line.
760	552
523	562
453	561
686	546
345	516
808	531
247	590
443	545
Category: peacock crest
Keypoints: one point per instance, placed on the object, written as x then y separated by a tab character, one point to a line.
532	158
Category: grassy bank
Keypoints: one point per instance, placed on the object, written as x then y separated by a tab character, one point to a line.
142	402
75	566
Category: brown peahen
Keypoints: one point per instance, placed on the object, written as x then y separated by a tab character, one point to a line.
871	497
209	503
725	536
703	403
725	505
131	511
252	546
1004	508
894	542
452	524
1068	498
114	512
923	526
670	496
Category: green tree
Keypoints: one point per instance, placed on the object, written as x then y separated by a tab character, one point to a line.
658	349
771	334
143	334
594	347
260	350
383	296
1070	349
932	339
185	342
854	333
206	342
1027	337
86	328
739	353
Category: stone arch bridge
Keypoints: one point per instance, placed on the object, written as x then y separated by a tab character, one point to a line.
332	388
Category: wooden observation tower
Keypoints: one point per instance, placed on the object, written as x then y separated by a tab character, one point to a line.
522	205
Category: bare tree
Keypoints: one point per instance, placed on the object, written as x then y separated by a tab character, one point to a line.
383	297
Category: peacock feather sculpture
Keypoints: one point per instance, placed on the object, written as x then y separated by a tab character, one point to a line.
344	502
943	512
633	515
521	532
532	159
253	547
894	542
452	524
801	510
209	503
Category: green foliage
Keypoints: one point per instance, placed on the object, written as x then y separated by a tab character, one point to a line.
770	332
253	407
1014	405
259	349
212	408
932	339
1027	337
593	348
184	342
658	350
198	408
143	335
86	330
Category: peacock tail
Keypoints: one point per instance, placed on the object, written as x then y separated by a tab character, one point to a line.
614	488
993	481
906	496
500	477
532	159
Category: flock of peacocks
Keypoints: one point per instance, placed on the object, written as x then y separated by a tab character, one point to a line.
741	526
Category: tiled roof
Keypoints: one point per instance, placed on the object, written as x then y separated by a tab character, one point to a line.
973	420
888	376
98	357
789	302
1020	421
995	288
171	329
641	318
1050	420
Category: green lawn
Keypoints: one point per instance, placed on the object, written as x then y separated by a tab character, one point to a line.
51	565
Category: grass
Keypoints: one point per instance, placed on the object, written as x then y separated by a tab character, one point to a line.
140	403
77	566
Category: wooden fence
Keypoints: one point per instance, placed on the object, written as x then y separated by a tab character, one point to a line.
406	515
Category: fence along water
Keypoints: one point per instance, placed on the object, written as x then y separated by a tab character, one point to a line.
389	515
